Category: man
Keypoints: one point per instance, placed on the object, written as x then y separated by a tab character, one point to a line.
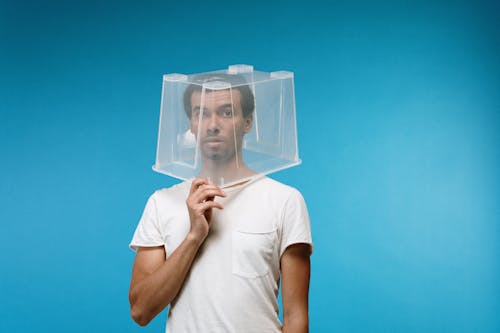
216	255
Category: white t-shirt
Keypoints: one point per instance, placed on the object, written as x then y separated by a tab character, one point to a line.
233	282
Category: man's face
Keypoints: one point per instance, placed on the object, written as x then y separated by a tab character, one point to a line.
220	125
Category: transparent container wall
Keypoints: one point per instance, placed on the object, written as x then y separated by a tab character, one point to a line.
272	143
176	153
227	125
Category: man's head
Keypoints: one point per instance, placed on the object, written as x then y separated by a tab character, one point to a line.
220	118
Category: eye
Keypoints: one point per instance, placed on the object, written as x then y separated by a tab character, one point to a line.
227	113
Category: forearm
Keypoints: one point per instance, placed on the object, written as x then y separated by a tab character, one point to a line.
295	270
152	294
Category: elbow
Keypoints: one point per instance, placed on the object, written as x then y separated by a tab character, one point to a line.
137	313
139	316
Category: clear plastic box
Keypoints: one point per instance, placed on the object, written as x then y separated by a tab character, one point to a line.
227	125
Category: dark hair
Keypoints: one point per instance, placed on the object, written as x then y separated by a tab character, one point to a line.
237	82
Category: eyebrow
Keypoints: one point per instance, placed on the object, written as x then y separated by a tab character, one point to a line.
223	106
227	105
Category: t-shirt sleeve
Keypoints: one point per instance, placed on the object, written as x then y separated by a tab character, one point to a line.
295	227
148	231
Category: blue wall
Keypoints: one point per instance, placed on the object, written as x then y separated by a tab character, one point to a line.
398	117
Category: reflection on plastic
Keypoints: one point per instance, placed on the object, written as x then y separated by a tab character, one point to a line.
228	125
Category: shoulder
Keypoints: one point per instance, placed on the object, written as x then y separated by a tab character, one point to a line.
172	192
166	199
275	191
276	187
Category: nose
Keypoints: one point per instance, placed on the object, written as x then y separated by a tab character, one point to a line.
213	124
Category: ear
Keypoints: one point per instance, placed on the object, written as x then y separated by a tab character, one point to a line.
247	123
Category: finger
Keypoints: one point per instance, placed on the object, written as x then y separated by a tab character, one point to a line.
207	195
207	186
211	192
204	206
197	182
206	191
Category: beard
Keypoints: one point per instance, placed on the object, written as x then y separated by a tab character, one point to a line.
217	151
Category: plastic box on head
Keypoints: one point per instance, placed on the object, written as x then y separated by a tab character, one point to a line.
228	125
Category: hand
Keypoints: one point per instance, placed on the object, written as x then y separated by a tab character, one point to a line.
200	203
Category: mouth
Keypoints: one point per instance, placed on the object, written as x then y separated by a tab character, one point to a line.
213	140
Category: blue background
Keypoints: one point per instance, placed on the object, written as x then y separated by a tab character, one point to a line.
398	117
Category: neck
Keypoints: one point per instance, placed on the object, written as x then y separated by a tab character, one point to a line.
221	171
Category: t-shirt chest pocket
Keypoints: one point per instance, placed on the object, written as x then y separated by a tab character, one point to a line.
254	247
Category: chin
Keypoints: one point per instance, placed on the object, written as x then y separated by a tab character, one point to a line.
218	156
214	156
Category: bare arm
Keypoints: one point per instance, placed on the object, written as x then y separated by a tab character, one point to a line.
295	270
156	281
